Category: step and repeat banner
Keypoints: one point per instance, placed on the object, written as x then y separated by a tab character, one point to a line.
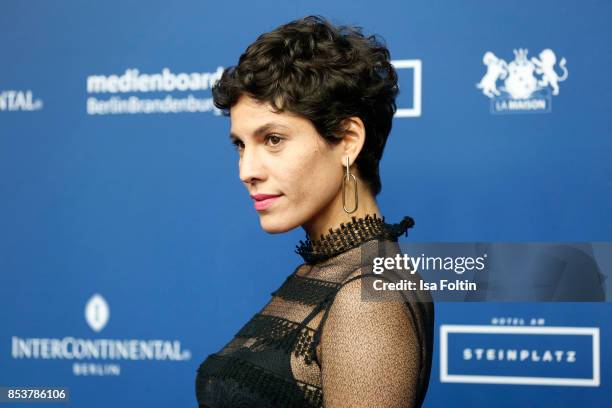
129	249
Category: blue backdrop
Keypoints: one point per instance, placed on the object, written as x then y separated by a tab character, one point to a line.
124	226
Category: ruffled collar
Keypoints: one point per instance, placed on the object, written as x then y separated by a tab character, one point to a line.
351	235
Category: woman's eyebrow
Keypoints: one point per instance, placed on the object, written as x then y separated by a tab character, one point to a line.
260	131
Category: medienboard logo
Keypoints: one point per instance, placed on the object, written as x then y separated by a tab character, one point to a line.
415	66
166	87
562	356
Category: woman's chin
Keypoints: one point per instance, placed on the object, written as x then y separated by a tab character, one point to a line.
274	224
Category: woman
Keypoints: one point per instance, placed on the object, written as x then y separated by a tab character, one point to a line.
311	106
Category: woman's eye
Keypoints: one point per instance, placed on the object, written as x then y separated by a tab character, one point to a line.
237	145
274	140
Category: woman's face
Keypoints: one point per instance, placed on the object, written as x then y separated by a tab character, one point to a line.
282	155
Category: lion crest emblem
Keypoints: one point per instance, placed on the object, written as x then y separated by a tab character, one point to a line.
524	83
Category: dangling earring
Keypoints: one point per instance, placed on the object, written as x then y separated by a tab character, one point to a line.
348	175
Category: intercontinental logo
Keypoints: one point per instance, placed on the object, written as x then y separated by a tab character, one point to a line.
19	100
136	92
97	312
98	356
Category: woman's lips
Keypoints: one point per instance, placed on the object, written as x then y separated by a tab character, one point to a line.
263	201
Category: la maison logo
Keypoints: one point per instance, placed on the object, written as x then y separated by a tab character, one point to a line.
97	356
527	84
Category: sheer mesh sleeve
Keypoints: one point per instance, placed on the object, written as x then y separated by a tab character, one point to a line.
319	342
371	351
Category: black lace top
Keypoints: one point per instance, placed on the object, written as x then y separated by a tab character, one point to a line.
373	354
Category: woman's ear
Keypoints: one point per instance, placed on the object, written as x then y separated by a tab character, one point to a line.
353	138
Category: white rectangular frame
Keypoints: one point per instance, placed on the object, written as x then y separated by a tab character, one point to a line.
445	329
417	79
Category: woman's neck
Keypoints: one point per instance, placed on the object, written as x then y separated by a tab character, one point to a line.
333	214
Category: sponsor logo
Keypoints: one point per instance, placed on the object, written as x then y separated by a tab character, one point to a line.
168	89
527	84
542	355
97	313
415	66
12	101
97	356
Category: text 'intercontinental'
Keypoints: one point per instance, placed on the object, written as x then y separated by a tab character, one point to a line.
70	348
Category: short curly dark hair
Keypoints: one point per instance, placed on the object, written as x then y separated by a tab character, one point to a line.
324	73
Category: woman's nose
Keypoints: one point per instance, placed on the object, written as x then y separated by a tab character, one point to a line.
250	166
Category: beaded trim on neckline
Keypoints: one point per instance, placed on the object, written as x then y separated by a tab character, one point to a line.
350	235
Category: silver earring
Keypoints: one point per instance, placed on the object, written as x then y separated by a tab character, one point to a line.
348	176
